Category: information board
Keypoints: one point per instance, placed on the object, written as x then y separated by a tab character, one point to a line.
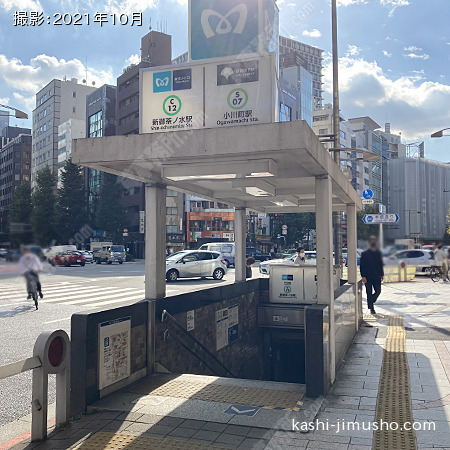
114	351
227	326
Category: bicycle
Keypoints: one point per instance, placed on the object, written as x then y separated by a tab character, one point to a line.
32	281
436	273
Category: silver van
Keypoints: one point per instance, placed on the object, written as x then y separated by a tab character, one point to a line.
227	249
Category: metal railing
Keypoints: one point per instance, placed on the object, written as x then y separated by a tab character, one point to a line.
196	348
51	355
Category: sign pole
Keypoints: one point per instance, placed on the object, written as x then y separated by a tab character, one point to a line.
381	239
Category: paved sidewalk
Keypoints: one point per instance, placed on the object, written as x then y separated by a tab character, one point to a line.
179	412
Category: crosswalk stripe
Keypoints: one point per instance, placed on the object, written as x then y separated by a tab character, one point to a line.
81	299
46	289
120	300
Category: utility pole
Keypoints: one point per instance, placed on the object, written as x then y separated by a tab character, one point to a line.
336	129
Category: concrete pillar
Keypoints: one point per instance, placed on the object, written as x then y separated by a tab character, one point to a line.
240	223
324	230
352	258
155	241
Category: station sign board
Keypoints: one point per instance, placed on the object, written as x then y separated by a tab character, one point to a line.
220	28
370	219
217	93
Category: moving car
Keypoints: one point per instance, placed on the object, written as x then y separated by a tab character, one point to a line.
310	259
68	259
226	248
288	253
345	256
3	252
13	255
88	256
195	263
422	259
256	253
108	252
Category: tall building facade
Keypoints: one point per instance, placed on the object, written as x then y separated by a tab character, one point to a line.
311	59
100	122
419	194
57	102
4	120
15	168
68	130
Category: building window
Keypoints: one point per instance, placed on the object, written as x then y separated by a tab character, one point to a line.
171	211
74	94
73	109
171	193
96	125
285	113
323	131
172	229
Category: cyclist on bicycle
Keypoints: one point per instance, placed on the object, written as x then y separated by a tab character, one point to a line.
29	267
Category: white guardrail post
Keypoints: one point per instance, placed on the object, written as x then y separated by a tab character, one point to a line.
53	349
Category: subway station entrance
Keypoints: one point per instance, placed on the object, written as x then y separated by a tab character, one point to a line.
268	168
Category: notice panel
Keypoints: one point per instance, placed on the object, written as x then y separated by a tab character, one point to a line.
114	351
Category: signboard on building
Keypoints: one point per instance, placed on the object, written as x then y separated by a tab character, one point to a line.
219	28
219	93
227	326
114	351
142	222
190	320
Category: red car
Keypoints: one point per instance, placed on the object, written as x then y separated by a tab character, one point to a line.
68	259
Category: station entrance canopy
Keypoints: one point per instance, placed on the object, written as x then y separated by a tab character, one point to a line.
267	168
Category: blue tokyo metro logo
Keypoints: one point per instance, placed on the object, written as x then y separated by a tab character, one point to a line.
162	81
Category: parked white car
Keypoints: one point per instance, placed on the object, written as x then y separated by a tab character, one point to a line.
421	259
88	256
310	259
195	263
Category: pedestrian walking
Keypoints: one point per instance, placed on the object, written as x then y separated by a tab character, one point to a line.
248	269
372	272
440	261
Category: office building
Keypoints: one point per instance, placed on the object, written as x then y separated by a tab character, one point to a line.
420	195
307	56
57	102
4	120
15	168
100	122
70	129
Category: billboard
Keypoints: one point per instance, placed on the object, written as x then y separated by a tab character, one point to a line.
219	28
216	93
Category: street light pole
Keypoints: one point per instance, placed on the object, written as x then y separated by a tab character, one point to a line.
336	127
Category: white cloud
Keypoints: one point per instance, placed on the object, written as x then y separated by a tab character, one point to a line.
423	56
412	48
21	5
26	103
130	6
133	59
418	106
387	54
350	2
314	33
393	5
4	100
43	68
353	50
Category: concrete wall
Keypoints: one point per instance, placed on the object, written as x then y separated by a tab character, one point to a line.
242	357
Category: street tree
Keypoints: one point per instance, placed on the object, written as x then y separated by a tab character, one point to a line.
72	211
364	231
299	227
44	205
19	216
110	213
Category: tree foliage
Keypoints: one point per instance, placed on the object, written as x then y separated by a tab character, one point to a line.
72	214
44	205
110	213
299	225
19	215
365	231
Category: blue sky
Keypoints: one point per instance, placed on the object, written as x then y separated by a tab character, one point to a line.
394	54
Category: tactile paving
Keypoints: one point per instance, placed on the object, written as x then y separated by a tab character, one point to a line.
118	441
394	394
211	392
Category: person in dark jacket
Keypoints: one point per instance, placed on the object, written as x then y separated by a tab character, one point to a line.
372	272
248	269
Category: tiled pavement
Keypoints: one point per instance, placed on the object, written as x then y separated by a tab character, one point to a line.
177	422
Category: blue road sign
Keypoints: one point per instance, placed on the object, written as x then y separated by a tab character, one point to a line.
242	410
368	194
380	218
